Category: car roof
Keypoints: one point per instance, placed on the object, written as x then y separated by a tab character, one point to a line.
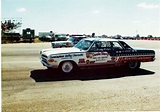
101	39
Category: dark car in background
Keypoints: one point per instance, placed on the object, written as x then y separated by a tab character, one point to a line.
50	36
60	37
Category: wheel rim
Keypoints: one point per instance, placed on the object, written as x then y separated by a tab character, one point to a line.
67	67
133	64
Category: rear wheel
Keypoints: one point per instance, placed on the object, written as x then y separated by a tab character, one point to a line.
134	65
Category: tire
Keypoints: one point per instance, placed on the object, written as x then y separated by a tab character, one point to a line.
134	65
67	67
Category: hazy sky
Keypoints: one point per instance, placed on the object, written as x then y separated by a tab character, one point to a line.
110	17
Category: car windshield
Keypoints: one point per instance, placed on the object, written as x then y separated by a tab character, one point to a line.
84	44
71	39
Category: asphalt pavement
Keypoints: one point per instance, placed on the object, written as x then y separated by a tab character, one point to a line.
28	86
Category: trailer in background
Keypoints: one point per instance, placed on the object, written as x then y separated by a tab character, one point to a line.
10	30
12	37
28	35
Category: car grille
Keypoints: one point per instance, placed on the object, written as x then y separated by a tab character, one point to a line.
44	56
44	59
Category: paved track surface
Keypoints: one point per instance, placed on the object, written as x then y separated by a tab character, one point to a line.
28	86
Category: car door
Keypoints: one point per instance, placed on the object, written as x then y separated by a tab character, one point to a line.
116	51
98	54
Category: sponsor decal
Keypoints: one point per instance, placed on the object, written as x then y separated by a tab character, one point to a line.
126	51
58	56
73	55
113	58
64	56
120	59
90	62
100	53
87	61
78	54
81	61
89	55
100	58
137	58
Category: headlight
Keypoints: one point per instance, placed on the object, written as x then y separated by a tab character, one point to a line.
51	60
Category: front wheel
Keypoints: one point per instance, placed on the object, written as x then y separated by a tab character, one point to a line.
67	67
134	65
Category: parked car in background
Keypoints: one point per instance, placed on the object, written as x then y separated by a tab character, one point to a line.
60	37
47	38
95	52
50	36
72	40
76	38
61	44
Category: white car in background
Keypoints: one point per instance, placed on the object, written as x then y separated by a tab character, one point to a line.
70	42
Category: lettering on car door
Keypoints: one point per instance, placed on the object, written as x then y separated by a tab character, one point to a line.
98	53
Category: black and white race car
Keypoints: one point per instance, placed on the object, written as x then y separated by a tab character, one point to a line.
95	52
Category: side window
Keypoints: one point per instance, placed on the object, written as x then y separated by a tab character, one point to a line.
116	46
101	46
106	46
97	46
126	46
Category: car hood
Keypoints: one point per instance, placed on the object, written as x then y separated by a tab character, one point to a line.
48	52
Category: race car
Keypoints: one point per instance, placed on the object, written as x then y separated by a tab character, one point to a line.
94	52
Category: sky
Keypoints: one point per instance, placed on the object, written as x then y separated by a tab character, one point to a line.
109	17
